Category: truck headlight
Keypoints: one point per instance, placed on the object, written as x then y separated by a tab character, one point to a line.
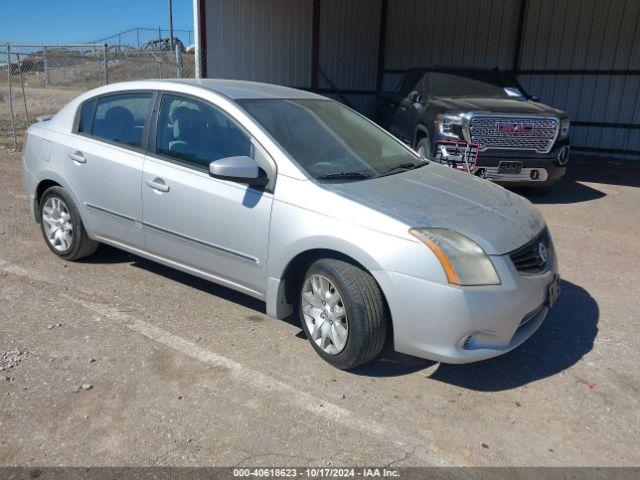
449	125
565	125
462	259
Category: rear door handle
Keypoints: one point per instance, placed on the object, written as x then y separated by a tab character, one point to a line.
157	184
78	157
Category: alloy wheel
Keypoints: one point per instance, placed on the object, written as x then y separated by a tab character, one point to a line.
58	225
325	314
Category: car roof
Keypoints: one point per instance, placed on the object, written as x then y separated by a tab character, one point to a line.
486	73
232	89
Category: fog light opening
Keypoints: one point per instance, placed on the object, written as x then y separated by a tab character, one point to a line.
563	156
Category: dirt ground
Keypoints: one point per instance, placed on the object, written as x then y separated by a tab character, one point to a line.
118	361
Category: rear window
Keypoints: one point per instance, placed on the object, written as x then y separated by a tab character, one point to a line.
120	118
449	85
86	116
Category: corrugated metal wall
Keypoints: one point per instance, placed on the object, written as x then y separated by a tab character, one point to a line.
262	40
587	35
271	40
349	49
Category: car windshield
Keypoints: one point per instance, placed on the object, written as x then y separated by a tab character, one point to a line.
456	86
329	140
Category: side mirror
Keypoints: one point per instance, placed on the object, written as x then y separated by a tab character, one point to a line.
241	169
534	98
415	97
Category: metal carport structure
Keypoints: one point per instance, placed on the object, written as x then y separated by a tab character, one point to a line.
582	56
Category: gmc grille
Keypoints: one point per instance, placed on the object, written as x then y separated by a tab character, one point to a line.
513	132
530	257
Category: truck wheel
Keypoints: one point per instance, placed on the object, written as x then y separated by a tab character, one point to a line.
343	313
62	227
424	148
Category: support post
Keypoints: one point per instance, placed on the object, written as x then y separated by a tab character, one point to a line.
382	40
105	64
24	96
45	54
179	72
200	38
315	46
170	25
522	16
13	118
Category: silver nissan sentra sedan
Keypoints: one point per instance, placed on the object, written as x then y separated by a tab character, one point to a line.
297	200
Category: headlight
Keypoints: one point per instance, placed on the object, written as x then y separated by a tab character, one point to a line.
449	125
565	124
463	261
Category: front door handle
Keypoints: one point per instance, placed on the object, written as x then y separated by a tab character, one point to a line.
157	184
77	157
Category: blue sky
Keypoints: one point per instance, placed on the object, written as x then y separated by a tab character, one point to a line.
55	21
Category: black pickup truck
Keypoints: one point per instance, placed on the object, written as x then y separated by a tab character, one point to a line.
480	121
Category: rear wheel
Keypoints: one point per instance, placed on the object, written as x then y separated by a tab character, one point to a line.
62	226
343	313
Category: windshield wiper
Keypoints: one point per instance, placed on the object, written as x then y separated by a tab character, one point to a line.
403	167
344	176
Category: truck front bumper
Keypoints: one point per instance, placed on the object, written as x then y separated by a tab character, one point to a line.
537	169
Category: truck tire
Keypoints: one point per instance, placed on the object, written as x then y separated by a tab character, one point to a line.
424	148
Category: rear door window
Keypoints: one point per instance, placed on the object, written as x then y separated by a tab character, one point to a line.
121	118
86	116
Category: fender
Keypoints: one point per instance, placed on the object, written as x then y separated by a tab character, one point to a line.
420	128
275	295
55	177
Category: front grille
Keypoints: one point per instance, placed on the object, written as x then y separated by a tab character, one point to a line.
513	132
533	258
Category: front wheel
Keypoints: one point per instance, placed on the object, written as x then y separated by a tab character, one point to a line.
343	313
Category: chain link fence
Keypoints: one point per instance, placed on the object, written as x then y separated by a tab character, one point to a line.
37	79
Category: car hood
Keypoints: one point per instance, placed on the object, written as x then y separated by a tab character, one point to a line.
498	105
441	197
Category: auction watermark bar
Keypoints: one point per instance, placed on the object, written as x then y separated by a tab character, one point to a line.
417	473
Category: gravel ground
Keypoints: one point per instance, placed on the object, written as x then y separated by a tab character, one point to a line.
131	363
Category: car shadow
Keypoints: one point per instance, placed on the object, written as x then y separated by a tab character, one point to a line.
110	255
567	335
572	188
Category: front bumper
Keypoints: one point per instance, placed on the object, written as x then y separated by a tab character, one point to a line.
454	324
537	169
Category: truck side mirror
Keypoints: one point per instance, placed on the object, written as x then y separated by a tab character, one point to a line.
414	97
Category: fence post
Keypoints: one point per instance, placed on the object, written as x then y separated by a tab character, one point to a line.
178	61
105	65
24	96
13	119
45	54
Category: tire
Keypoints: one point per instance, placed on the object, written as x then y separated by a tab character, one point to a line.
76	243
425	145
365	313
